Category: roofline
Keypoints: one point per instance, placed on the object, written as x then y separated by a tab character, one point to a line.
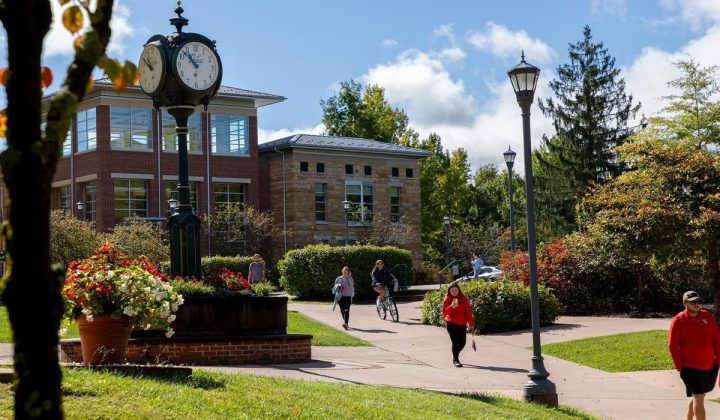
419	153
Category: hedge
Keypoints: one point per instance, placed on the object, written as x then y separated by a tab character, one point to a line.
497	306
233	264
310	272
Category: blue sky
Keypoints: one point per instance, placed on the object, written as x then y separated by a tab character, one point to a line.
444	63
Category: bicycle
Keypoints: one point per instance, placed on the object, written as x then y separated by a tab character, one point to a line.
387	304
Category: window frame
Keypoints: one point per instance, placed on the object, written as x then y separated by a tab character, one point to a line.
395	204
361	210
320	202
138	124
194	136
84	126
133	185
242	132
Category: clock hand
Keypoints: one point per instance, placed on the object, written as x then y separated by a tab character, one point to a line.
148	64
192	60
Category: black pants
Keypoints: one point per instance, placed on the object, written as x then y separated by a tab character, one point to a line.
457	336
345	302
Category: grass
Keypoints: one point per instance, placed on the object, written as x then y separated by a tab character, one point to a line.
322	334
212	395
631	352
297	323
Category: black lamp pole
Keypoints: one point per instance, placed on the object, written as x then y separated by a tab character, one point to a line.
509	160
446	224
346	208
539	388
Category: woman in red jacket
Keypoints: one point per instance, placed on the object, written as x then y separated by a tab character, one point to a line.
457	315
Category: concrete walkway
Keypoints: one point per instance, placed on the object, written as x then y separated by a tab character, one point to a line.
410	354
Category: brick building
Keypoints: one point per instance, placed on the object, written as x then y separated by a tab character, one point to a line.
310	176
120	160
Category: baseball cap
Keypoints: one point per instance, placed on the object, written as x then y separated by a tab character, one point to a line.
691	296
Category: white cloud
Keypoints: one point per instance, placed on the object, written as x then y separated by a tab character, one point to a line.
265	136
609	7
60	42
696	13
506	44
421	84
451	54
389	43
444	31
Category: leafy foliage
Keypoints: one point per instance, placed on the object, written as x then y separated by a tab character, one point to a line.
138	237
496	306
310	272
590	113
237	229
71	238
208	264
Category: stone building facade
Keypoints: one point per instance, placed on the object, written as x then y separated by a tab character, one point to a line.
310	176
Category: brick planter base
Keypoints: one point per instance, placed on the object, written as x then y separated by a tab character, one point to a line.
207	351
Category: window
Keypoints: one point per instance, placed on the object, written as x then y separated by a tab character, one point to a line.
348	169
171	191
360	195
229	134
86	130
320	190
408	173
169	135
88	197
129	198
303	166
320	168
63	196
395	172
67	143
368	170
130	128
395	204
226	193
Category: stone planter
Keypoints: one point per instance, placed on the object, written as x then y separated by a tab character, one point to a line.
226	316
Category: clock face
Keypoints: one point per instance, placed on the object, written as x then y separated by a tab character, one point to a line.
196	66
151	68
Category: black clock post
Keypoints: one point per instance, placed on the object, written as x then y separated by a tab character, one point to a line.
179	72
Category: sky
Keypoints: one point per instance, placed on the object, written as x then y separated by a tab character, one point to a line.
444	63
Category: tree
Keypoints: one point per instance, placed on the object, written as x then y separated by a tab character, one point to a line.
237	229
693	113
71	238
32	293
590	113
354	112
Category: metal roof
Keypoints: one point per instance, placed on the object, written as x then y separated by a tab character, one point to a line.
313	141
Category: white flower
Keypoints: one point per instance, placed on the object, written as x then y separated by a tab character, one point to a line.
169	333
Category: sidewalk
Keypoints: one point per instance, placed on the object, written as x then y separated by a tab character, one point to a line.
409	354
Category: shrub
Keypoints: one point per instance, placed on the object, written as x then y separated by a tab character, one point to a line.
236	264
138	237
427	273
71	239
222	282
310	272
497	306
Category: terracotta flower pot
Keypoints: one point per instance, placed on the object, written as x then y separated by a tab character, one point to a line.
105	340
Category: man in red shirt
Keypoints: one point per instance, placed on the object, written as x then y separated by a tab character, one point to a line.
694	344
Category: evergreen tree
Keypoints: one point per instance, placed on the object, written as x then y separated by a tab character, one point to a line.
590	111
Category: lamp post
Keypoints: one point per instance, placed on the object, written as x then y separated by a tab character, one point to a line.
346	207
539	388
173	205
509	160
81	210
446	226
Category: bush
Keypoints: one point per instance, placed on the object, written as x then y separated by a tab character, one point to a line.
138	237
71	239
496	306
309	273
427	273
235	264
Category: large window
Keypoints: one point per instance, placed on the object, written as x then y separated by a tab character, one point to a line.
360	195
169	135
67	144
395	204
88	197
171	191
226	193
130	128
129	198
320	193
86	130
64	197
229	134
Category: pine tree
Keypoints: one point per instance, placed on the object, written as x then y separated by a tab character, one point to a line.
590	112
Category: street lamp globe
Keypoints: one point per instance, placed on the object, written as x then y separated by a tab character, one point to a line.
524	77
509	160
80	206
509	157
173	204
346	205
446	221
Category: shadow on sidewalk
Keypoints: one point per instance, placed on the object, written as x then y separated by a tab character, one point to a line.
545	328
372	331
495	368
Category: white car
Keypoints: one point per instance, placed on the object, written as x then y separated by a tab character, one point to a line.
487	273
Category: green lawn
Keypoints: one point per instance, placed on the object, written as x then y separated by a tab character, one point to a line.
209	395
646	350
297	323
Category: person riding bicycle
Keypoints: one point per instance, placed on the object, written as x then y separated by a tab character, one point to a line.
381	278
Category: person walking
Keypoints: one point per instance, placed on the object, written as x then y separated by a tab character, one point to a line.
347	291
694	344
380	279
477	264
457	316
256	270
